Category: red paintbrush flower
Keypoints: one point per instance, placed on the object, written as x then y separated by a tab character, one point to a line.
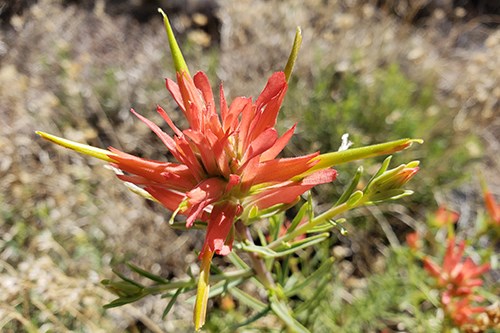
456	277
461	311
227	163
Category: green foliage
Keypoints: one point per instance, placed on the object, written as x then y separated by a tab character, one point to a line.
389	298
384	105
390	107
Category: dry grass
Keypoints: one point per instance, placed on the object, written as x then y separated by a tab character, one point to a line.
64	220
54	77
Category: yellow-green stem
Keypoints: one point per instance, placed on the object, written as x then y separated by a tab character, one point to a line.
200	307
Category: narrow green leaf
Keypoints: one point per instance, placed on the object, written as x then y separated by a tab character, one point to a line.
225	281
223	287
354	199
317	274
290	281
124	278
301	244
275	224
305	208
352	186
171	303
262	251
247	299
389	195
122	301
147	274
285	269
251	320
384	166
318	295
122	288
324	227
262	237
286	248
237	261
278	272
283	313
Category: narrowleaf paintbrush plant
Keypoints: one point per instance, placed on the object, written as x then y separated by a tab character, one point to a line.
227	175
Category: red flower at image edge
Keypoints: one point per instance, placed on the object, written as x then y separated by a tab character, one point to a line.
492	207
227	164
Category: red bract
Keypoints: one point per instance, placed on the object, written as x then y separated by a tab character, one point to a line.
456	277
445	216
492	207
413	240
226	163
461	311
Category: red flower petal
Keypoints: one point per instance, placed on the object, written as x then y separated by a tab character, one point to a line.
174	90
219	225
271	98
274	86
168	198
262	143
278	146
283	169
289	191
204	194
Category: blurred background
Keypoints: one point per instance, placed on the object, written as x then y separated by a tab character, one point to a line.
378	70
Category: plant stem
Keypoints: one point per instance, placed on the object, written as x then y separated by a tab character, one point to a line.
277	299
258	264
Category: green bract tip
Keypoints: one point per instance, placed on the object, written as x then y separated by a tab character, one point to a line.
99	153
179	62
293	53
331	159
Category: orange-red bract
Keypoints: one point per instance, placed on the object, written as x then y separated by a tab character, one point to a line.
226	163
